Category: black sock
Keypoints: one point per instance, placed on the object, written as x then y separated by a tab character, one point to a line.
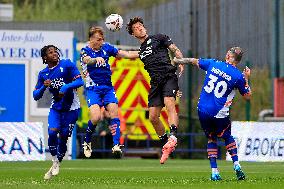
173	129
163	139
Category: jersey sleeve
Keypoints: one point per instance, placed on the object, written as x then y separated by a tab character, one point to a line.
241	85
205	63
112	50
165	40
40	81
83	53
73	70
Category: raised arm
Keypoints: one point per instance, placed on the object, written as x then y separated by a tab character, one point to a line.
173	48
127	54
246	73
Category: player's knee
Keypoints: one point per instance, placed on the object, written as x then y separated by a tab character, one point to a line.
226	136
95	119
52	131
153	118
63	137
212	140
113	114
170	103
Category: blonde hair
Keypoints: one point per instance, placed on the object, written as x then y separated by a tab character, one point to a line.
95	29
238	53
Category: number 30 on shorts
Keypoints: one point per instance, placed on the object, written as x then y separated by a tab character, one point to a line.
211	86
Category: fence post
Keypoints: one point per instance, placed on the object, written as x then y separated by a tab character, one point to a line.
74	133
248	101
189	105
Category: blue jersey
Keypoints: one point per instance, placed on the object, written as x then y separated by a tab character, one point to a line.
98	74
65	72
219	86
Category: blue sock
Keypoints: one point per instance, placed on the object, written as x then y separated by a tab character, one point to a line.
115	130
89	131
212	151
62	143
52	142
62	148
231	147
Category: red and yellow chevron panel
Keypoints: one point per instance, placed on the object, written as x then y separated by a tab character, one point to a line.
132	84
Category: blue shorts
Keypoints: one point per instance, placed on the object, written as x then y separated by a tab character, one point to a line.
64	122
215	127
101	95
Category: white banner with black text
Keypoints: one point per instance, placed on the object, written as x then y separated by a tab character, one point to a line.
21	141
259	141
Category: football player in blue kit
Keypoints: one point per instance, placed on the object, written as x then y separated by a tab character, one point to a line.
62	78
99	89
221	80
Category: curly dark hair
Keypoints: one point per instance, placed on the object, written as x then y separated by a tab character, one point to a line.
132	21
45	48
238	53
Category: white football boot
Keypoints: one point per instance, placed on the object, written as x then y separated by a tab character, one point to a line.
55	168
48	174
87	149
116	150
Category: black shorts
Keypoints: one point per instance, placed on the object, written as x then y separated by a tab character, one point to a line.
168	87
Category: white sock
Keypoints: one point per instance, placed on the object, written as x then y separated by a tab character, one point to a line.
237	163
173	137
54	158
215	170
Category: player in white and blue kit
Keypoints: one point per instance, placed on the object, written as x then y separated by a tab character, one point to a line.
218	91
62	78
99	90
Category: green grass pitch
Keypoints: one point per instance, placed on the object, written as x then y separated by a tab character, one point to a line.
139	174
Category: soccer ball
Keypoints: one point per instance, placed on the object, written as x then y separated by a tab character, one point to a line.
114	22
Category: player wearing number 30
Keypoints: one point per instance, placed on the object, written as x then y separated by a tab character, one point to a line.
215	99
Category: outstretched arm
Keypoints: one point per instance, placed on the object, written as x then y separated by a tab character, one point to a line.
182	61
127	54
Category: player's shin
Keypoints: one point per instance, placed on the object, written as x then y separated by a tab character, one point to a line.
173	129
62	147
212	151
164	139
52	141
232	148
115	130
89	131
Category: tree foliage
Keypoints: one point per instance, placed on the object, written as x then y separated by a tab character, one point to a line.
58	10
74	10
